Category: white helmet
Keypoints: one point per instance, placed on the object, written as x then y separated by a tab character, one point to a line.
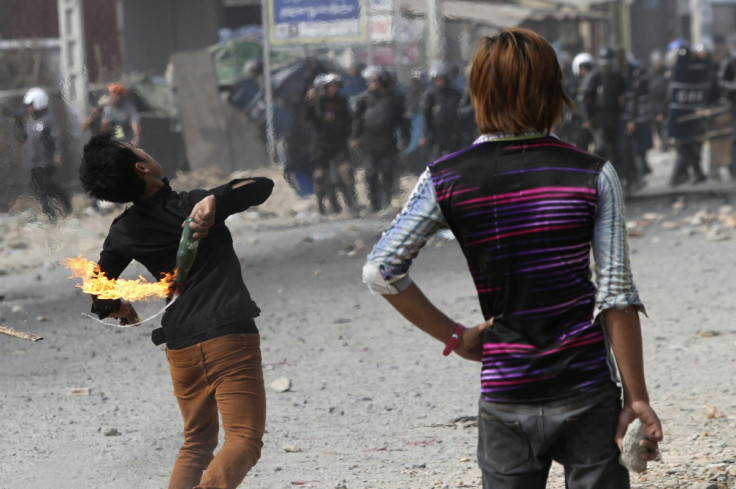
332	78
36	97
581	59
372	71
319	81
439	69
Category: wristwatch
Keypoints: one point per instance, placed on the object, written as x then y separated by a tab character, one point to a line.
454	339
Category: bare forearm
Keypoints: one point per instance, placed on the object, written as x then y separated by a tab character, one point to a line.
624	333
419	310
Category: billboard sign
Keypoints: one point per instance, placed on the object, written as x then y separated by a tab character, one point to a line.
381	5
316	21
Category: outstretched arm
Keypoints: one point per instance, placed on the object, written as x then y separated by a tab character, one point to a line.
231	198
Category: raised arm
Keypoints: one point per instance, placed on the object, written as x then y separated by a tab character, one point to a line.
226	200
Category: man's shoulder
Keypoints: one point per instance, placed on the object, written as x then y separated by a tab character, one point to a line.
119	219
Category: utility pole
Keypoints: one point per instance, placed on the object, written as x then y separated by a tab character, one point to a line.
369	30
73	61
436	34
701	23
268	89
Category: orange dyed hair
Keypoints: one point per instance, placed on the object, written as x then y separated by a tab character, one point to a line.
516	84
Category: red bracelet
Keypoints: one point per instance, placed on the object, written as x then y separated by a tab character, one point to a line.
454	339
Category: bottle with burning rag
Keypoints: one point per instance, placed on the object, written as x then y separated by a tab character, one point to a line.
185	256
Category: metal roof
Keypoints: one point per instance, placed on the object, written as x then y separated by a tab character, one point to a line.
502	15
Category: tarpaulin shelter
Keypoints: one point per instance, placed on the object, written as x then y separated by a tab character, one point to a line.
223	108
230	57
161	128
293	135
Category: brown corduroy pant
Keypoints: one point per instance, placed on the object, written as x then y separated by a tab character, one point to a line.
222	375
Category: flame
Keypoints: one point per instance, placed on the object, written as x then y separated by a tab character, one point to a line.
96	283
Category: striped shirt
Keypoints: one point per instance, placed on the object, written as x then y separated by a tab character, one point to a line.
507	364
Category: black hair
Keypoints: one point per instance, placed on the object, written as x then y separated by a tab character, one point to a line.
108	170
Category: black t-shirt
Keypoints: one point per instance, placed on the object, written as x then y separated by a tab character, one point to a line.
215	301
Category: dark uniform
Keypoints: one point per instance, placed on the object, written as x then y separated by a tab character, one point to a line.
466	119
690	89
379	115
641	138
572	128
415	156
603	107
331	120
727	87
42	144
658	80
440	105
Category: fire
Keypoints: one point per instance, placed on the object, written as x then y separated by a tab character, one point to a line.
96	283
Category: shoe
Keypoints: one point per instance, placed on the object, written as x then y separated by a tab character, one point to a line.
699	179
676	182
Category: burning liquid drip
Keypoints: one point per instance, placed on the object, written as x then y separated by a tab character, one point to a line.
96	283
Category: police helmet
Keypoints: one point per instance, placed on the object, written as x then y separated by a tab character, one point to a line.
381	75
320	81
564	58
631	60
656	58
670	59
37	97
331	78
357	68
607	56
582	60
418	75
253	67
702	49
440	69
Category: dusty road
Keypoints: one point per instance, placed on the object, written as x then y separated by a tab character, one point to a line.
374	404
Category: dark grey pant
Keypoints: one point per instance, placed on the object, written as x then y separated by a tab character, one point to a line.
48	192
380	175
517	442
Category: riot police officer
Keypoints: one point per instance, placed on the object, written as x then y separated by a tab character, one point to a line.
415	156
582	64
379	115
329	114
689	90
41	136
440	104
638	87
603	108
658	75
727	87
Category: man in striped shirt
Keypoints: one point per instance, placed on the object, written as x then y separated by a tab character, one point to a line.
527	209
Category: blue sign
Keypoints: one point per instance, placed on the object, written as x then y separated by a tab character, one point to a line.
307	21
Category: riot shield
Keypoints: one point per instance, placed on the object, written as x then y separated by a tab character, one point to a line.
687	92
717	125
643	131
719	132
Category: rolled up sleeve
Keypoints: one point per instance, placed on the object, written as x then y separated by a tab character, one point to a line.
386	271
614	280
